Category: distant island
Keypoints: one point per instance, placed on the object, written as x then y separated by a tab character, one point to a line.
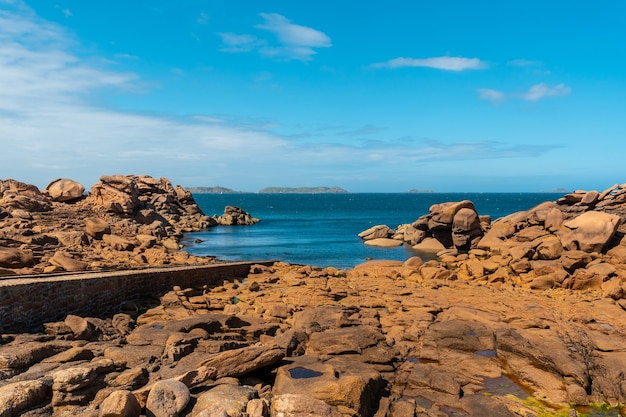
302	190
413	190
212	190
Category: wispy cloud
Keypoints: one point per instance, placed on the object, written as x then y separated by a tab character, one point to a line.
50	128
239	43
494	96
535	93
362	131
542	90
447	63
524	63
293	41
203	19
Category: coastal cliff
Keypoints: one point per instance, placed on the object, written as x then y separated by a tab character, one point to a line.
505	322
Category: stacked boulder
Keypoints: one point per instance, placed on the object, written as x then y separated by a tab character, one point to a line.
234	216
452	225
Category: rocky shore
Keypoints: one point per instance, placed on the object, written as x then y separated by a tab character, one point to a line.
124	222
523	316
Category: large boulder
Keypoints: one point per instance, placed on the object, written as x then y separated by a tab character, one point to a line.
167	398
235	216
340	382
120	403
466	229
589	232
19	396
380	231
15	258
232	399
64	189
19	195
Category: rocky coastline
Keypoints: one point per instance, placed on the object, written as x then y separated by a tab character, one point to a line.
124	222
522	316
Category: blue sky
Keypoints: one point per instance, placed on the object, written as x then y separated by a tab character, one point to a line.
369	96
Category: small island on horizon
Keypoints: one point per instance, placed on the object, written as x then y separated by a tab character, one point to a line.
213	190
269	190
302	190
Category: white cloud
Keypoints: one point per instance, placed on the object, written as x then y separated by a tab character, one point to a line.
542	90
294	42
292	34
51	128
494	96
447	63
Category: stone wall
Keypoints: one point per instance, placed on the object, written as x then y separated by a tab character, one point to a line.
27	303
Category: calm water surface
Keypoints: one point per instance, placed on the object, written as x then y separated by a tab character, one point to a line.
322	229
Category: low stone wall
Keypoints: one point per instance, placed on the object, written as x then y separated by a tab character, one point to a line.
27	303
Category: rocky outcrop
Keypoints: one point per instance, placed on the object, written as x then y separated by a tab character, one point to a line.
385	338
235	216
126	221
454	225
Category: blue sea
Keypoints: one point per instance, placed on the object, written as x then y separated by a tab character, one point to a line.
322	229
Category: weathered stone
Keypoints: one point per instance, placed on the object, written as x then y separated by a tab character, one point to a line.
235	216
96	227
590	198
167	398
302	405
119	243
233	399
549	248
383	242
26	354
429	246
554	220
20	396
120	403
340	382
67	262
443	214
589	232
376	232
238	362
64	189
15	258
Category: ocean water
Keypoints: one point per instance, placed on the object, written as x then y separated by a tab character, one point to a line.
322	229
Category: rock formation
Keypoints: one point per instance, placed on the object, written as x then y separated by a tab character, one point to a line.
524	316
124	222
453	225
387	338
235	216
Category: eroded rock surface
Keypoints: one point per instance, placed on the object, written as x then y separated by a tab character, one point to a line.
126	221
386	338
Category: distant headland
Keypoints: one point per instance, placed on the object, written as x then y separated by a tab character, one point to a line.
302	190
269	190
213	190
413	190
